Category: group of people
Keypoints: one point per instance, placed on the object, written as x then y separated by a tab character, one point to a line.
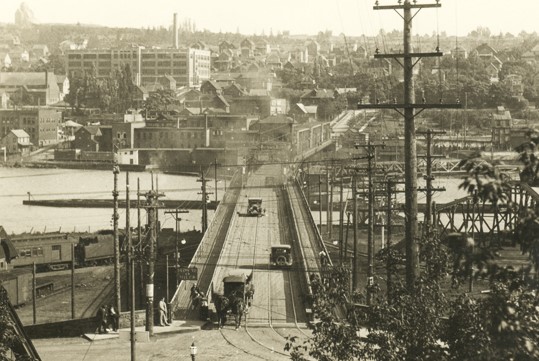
107	318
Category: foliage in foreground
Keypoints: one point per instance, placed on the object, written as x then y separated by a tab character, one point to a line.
425	323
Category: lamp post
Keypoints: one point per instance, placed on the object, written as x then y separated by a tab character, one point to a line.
194	351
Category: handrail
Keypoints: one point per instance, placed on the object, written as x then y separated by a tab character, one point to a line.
200	249
313	224
297	237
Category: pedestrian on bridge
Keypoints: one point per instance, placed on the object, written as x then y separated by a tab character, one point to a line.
323	258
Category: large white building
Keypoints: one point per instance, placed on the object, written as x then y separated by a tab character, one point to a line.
188	66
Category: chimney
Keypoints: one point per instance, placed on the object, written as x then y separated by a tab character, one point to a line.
175	32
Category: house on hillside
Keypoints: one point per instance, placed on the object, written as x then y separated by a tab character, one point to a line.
247	47
211	87
234	91
302	113
315	96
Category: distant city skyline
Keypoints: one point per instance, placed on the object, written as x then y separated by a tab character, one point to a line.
352	17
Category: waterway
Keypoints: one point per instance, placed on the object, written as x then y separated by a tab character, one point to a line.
17	184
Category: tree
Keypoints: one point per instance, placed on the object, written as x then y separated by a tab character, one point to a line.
10	342
160	100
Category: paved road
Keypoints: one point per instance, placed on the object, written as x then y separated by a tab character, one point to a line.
211	347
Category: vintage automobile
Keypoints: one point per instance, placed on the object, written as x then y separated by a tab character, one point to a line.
281	255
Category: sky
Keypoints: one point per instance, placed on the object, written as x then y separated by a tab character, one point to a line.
352	17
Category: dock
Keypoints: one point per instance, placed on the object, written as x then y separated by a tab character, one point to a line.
109	203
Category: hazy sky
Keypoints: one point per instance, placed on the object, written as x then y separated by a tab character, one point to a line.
353	17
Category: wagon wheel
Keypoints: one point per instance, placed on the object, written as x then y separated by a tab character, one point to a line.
281	260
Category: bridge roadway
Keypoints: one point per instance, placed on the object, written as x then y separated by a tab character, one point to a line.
279	305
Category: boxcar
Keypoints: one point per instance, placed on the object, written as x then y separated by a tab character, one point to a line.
18	284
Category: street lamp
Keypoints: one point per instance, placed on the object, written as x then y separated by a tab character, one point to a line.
194	351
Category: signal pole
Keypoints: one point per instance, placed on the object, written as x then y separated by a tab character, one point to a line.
409	106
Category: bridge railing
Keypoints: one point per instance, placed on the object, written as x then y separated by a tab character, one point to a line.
319	241
203	251
307	281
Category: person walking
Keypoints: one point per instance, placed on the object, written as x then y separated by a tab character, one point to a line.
101	319
163	313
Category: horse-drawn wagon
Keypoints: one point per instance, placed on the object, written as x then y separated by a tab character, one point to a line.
238	291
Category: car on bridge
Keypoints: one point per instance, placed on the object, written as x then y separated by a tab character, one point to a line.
254	207
281	255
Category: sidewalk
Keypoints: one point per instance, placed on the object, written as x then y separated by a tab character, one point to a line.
170	343
142	335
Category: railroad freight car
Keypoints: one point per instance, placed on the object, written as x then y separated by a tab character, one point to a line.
18	284
50	251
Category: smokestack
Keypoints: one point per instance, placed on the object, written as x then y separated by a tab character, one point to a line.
175	32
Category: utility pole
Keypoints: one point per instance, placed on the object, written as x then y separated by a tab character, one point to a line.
176	214
139	236
390	191
355	271
72	281
389	260
205	195
131	258
320	200
429	189
329	204
341	220
215	176
152	205
371	158
115	217
409	106
128	234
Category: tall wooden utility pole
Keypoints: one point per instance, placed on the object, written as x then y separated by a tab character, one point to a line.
389	260
115	217
429	189
341	220
409	106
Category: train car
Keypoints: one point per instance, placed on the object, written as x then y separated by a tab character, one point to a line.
49	251
281	255
18	284
95	250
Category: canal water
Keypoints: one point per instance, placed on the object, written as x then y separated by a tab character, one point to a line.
18	184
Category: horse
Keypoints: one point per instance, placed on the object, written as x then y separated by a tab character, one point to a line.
238	307
222	305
